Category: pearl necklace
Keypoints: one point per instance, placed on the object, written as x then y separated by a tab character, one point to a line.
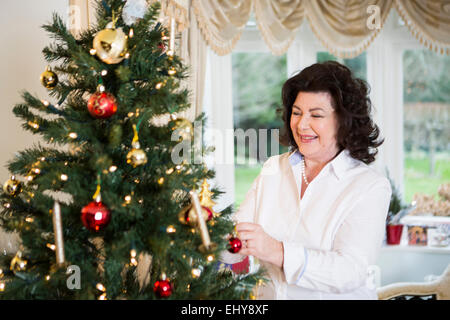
304	172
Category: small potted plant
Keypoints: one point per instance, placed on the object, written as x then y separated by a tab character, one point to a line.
397	209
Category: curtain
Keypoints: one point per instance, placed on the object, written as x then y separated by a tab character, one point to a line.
222	22
193	53
278	21
429	22
345	27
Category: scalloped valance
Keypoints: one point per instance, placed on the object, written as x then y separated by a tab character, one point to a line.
345	27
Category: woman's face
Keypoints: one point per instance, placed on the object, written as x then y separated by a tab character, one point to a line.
314	125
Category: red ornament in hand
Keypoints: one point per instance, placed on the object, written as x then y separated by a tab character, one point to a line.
235	245
163	288
95	216
102	105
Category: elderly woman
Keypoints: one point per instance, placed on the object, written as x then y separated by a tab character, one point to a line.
315	216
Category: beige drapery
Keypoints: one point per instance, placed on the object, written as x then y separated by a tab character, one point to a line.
429	22
345	27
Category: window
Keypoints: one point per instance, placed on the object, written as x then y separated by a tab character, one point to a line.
257	81
426	95
357	64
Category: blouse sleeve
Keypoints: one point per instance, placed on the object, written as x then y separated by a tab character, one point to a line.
246	213
355	248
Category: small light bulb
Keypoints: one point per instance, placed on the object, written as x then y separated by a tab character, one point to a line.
33	125
104	72
7	205
101	88
196	272
161	181
127	55
45	103
102	297
131	33
37	170
64	177
73	135
42	159
169	171
172	71
171	229
128	199
51	246
133	253
112	168
92	51
47	277
159	85
2	286
29	219
210	258
100	287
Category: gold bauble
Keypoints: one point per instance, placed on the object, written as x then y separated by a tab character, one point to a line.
183	127
136	157
110	44
188	215
17	263
49	79
12	187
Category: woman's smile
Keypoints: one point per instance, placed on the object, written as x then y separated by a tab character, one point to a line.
307	138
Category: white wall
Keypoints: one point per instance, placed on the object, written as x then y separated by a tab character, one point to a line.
21	63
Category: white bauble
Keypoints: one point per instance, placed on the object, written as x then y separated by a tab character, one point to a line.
133	10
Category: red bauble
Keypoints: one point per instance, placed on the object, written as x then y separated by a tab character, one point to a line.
95	216
163	288
210	213
235	245
102	105
162	47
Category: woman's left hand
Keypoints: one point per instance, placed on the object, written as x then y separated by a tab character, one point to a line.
259	244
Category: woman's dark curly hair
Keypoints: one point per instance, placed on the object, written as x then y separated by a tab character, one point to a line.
350	99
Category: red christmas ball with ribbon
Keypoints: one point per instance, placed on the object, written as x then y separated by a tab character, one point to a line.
95	216
102	105
235	245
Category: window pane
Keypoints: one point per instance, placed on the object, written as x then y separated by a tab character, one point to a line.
257	81
357	64
426	92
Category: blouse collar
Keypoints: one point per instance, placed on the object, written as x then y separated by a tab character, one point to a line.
340	164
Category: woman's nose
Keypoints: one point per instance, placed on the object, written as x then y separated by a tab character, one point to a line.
303	123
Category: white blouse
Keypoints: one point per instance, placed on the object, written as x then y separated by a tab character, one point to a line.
330	237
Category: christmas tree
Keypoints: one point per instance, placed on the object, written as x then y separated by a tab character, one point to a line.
102	210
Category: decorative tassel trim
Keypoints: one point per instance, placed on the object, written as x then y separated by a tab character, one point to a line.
420	34
218	45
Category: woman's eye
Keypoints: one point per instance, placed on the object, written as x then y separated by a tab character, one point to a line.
296	113
316	116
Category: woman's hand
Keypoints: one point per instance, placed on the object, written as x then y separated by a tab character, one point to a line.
259	244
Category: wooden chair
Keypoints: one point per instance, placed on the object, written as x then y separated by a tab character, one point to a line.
438	289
